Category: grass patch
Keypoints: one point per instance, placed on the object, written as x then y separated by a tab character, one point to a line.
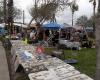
22	77
86	59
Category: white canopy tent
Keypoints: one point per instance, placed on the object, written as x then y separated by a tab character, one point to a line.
2	25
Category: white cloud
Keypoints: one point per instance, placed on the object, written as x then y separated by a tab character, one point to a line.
23	4
85	8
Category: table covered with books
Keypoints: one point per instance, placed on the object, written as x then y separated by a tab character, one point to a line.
50	68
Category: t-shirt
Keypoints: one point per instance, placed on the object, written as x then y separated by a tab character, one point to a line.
39	50
32	35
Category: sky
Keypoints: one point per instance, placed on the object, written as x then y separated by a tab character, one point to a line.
85	8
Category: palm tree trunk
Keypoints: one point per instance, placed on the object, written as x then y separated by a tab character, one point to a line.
97	33
99	7
94	7
5	9
10	16
72	18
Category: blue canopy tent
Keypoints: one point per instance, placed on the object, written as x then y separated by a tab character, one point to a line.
52	26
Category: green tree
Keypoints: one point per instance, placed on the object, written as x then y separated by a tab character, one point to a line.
43	13
16	13
84	21
47	10
89	23
1	11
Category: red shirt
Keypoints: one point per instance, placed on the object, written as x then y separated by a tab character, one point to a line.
39	49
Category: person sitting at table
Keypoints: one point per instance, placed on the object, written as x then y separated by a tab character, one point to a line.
33	36
40	51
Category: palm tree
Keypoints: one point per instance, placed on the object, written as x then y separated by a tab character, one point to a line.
10	16
97	33
74	7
